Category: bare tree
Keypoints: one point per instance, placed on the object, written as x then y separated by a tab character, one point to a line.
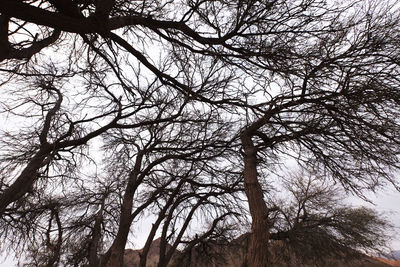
303	79
166	143
151	132
336	112
310	224
316	225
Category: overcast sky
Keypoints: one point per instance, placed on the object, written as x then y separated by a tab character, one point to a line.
385	201
388	202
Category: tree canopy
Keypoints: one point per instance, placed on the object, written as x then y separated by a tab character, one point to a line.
117	109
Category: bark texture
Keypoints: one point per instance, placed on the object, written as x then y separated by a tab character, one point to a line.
115	255
257	252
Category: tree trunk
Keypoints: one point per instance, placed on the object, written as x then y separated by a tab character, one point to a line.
25	180
96	237
116	252
257	251
115	255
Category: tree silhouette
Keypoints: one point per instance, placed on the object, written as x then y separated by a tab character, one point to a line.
228	88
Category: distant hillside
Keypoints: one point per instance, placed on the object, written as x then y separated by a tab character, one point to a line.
132	257
393	259
233	254
389	262
395	254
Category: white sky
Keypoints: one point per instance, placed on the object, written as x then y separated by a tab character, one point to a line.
385	201
388	202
